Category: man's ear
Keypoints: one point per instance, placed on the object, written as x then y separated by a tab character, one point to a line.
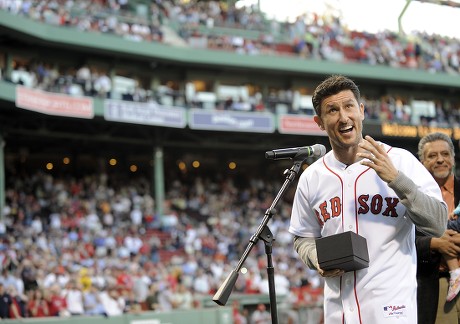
361	108
318	122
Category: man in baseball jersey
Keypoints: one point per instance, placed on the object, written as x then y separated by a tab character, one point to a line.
375	190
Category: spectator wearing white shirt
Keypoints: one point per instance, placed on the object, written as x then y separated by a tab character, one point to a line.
182	297
260	315
136	216
133	243
103	86
113	304
56	276
37	225
281	283
74	298
201	283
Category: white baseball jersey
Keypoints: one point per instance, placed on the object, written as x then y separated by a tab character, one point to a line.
332	198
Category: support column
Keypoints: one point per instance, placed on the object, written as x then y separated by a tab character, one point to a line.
8	66
2	179
159	180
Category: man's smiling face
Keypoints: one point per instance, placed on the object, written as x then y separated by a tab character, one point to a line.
438	159
342	118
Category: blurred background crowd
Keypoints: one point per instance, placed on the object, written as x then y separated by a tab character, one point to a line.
94	245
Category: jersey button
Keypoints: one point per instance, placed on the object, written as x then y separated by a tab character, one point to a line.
351	309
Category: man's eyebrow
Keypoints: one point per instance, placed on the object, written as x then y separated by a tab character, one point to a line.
335	103
331	104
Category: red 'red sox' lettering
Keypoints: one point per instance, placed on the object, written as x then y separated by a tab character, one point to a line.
323	211
366	203
336	206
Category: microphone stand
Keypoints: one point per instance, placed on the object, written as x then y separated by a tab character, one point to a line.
263	233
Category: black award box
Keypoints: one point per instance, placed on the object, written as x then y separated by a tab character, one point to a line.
346	251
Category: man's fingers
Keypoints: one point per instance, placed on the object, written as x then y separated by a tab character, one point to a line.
332	273
455	238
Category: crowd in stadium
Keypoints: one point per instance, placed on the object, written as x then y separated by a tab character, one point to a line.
68	242
311	35
93	81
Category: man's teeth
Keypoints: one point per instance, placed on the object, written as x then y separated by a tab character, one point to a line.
345	129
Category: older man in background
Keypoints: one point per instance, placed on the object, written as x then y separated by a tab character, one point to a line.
437	154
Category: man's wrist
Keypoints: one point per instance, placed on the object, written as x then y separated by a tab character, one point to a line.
434	243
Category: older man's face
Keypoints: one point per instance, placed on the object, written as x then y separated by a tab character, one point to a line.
438	159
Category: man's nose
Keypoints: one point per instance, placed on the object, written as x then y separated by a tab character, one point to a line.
439	158
343	116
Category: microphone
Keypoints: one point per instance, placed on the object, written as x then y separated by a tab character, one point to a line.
316	150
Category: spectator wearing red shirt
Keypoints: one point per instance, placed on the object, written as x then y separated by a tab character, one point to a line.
18	303
239	313
124	279
37	305
57	304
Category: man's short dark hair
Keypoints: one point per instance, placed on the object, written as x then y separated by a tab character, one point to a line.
331	86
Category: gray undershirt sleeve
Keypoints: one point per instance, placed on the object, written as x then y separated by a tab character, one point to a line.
306	249
426	212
